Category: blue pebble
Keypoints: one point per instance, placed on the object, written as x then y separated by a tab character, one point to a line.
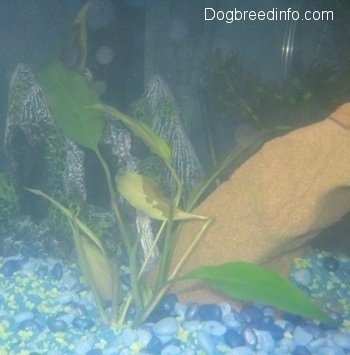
317	344
265	341
240	350
232	320
342	340
192	325
83	323
330	263
233	338
301	350
124	351
82	346
129	336
111	350
166	327
144	336
314	330
174	341
210	312
64	298
302	336
94	351
154	346
205	342
21	317
30	324
56	325
57	272
249	336
285	346
276	331
10	267
171	350
214	328
331	350
191	312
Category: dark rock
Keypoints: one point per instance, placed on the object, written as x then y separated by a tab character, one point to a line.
83	323
165	308
168	302
210	311
251	314
56	325
154	346
233	338
191	312
57	272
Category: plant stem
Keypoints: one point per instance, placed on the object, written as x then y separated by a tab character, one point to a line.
165	253
165	286
150	252
131	250
191	248
114	205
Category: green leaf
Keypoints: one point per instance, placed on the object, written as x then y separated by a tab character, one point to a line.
156	144
249	282
68	94
144	194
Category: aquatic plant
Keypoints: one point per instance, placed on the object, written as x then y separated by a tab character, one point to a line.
306	95
79	113
69	96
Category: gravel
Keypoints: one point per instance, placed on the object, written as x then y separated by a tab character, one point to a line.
47	308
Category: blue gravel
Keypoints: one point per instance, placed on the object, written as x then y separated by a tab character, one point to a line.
46	308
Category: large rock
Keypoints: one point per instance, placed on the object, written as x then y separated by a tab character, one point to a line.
285	194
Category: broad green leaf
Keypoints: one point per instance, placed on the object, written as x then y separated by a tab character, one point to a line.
145	195
249	282
156	144
68	95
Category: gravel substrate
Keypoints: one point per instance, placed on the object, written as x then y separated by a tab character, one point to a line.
46	308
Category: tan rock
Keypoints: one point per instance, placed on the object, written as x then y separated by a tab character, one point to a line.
282	196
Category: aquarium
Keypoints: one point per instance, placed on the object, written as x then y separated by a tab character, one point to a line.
174	177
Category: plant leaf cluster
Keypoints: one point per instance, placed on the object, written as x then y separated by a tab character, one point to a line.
243	280
306	96
79	113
